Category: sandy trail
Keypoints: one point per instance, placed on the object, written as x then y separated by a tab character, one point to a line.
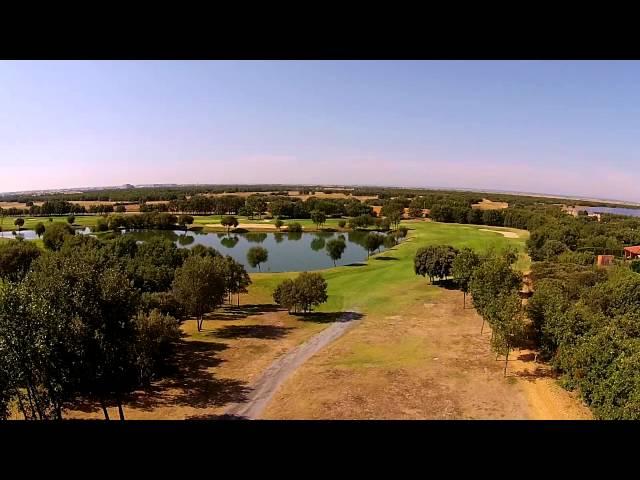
268	383
506	234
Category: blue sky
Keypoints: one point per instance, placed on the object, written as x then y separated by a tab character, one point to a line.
548	127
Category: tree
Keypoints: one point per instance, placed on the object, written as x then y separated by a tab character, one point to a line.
435	261
229	222
39	229
256	256
185	220
256	204
395	217
198	287
318	218
635	266
71	219
55	235
335	249
342	223
16	259
294	227
462	270
237	278
493	277
278	223
156	336
372	242
505	315
303	293
120	209
19	222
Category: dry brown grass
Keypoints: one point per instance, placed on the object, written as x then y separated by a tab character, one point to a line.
427	362
487	204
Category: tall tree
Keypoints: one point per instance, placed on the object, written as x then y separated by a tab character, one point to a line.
318	218
435	261
199	287
39	229
229	222
19	222
462	270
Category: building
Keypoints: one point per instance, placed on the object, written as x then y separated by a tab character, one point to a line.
604	260
631	253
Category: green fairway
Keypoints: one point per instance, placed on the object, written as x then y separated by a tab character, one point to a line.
387	282
31	222
306	223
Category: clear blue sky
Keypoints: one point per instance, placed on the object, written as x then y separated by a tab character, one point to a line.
549	127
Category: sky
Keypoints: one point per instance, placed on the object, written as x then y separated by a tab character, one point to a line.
556	127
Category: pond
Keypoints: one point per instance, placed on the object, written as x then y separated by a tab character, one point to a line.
31	234
288	252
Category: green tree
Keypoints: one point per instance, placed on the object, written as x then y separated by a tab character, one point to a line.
303	293
372	242
56	234
198	287
335	249
19	222
504	313
342	223
229	222
434	261
462	269
185	221
294	227
318	218
16	259
493	277
278	223
257	204
256	256
156	337
39	229
71	219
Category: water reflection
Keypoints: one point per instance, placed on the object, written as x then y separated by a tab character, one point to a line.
317	244
229	242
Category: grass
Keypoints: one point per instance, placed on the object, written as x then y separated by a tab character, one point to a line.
386	286
31	222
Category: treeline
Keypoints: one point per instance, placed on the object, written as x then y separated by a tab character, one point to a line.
96	320
492	282
57	207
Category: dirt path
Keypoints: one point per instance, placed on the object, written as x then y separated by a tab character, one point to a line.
274	376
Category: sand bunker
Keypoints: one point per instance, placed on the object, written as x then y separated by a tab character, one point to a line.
506	234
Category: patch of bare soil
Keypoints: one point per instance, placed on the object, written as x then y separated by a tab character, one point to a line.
487	204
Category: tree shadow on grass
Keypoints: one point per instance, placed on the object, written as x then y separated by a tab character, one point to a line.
357	264
224	417
190	382
447	284
267	332
329	317
230	312
386	258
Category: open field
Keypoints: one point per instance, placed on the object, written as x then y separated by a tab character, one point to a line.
415	353
487	204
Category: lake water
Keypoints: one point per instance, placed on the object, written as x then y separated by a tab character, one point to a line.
632	212
31	234
288	252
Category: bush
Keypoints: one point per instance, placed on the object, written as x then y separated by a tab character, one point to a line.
294	227
342	223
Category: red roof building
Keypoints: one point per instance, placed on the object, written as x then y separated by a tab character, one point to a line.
632	252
